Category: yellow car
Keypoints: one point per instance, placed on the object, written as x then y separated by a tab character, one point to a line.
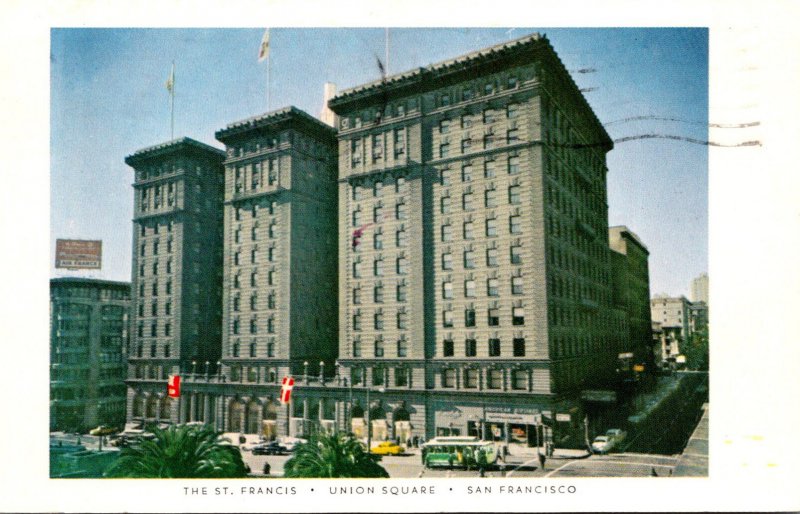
388	448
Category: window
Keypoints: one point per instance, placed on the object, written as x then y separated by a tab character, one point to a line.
471	378
253	326
444	150
155	288
469	288
169	266
400	377
254	233
466	173
516	285
491	198
447	290
379	349
167	329
516	254
401	238
402	292
166	350
512	110
141	270
514	195
515	224
444	126
236	256
469	259
448	378
494	317
272	230
377	147
377	239
512	136
466	120
378	267
444	100
355	148
519	347
253	279
401	211
402	348
402	265
488	89
356	353
488	169
270	277
491	227
399	140
471	347
469	318
253	255
469	230
445	176
447	261
467	201
141	310
518	316
378	376
236	326
378	293
513	165
377	213
378	320
152	354
493	287
445	204
447	348
402	320
519	379
357	295
466	144
271	301
357	269
447	233
252	352
491	257
447	319
494	347
357	320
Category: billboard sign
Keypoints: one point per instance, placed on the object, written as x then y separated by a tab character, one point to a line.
79	254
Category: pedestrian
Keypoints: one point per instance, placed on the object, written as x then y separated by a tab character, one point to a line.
267	468
653	472
542	460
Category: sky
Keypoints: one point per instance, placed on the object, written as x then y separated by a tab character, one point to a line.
109	99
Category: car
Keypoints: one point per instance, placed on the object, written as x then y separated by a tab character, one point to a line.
270	448
388	448
290	443
602	444
103	430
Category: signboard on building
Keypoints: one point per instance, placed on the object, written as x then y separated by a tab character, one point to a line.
520	418
599	396
79	254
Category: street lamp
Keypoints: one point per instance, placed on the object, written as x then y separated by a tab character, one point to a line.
305	370
194	365
322	372
207	375
369	417
219	370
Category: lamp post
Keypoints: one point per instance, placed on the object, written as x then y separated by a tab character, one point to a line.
194	366
322	372
207	375
305	370
369	417
219	370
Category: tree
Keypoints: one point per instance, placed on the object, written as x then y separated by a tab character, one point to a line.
697	350
333	456
180	452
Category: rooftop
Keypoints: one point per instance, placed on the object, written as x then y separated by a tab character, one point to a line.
622	229
80	281
173	146
273	119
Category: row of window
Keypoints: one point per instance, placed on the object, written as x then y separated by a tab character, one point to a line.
468	200
154	287
488	141
492	287
493	347
492	320
272	278
256	175
401	293
237	254
400	213
155	267
402	376
154	308
468	171
491	254
494	378
236	349
238	212
378	319
236	302
379	348
156	245
398	137
154	329
378	188
236	326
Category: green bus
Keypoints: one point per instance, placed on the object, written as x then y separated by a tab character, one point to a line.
458	451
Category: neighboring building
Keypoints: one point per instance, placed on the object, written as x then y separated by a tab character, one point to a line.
698	317
475	284
673	314
631	290
177	271
700	289
280	265
88	338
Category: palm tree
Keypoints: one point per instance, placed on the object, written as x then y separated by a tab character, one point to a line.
333	456
180	452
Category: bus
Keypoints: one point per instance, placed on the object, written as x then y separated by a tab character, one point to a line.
458	451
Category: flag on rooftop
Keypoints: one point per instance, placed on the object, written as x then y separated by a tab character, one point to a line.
263	51
171	79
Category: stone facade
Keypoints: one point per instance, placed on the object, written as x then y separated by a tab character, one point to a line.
88	345
177	271
673	314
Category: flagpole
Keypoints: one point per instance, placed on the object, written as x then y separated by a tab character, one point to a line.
269	60
172	104
387	51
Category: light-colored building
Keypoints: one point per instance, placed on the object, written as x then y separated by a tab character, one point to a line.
88	340
700	288
475	284
280	311
177	271
673	314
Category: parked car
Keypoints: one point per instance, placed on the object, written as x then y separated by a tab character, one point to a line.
290	442
602	444
617	434
103	430
388	448
270	448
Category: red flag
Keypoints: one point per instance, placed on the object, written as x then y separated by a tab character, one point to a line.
174	386
286	389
